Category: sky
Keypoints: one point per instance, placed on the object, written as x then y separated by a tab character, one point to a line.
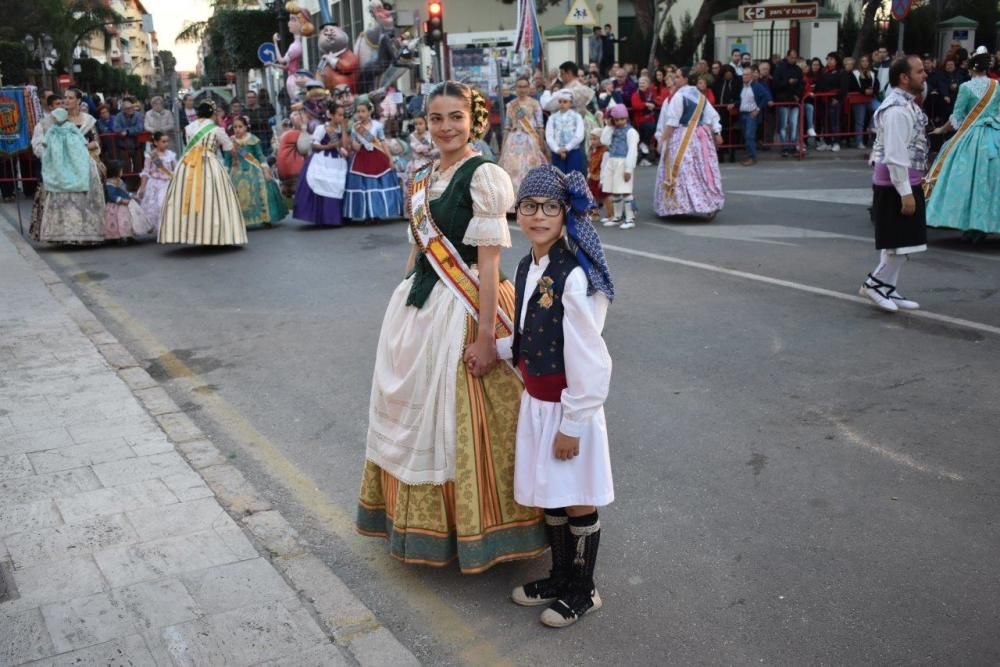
169	18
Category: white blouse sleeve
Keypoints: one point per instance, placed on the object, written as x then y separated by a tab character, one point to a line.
710	117
586	358
224	141
675	109
661	122
492	197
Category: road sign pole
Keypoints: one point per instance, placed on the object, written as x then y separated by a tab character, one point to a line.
579	45
899	42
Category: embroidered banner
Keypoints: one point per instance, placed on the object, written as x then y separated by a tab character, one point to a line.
19	113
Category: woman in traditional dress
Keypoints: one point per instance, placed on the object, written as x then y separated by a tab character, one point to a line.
260	199
319	194
524	135
156	175
202	207
73	217
373	191
962	185
438	480
688	180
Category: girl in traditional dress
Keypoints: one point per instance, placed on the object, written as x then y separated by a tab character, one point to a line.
438	480
688	179
523	140
373	191
202	207
319	194
618	167
123	217
69	216
562	464
422	151
260	198
155	178
963	182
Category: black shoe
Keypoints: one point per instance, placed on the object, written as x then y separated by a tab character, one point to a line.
571	607
544	591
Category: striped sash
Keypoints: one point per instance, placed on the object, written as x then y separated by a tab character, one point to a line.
443	256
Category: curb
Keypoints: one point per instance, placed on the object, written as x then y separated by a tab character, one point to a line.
346	620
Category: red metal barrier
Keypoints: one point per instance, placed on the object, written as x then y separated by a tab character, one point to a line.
821	115
733	132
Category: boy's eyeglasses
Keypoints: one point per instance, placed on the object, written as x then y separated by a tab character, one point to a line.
549	208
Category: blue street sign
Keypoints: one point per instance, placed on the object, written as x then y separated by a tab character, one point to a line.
267	53
901	8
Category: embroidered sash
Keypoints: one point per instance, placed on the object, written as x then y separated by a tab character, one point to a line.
442	255
675	168
931	180
195	166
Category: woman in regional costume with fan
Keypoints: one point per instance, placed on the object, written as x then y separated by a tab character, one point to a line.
439	476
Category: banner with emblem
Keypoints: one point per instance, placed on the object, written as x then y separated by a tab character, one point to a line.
19	113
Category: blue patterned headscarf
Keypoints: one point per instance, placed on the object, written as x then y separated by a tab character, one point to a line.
571	189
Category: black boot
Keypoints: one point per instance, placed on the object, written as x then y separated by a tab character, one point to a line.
552	587
581	595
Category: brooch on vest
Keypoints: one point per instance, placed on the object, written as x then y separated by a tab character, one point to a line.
548	295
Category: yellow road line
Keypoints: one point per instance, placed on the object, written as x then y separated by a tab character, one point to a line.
448	626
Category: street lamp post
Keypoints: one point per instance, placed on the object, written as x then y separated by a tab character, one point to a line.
41	49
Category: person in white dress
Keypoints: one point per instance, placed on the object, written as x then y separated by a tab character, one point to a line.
562	462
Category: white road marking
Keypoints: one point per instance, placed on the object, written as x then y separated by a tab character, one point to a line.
763	234
820	291
896	457
849	196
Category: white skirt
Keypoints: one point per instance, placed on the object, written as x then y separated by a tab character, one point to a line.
541	480
613	177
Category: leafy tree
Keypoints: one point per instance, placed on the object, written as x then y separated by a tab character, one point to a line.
670	41
14	63
169	63
701	25
687	42
849	29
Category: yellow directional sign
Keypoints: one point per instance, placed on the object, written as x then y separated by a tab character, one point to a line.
580	14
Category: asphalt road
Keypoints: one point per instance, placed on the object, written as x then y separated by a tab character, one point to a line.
801	479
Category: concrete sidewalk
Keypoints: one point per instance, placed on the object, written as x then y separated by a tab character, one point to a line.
114	549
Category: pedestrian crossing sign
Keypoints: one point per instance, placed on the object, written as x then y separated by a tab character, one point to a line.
580	14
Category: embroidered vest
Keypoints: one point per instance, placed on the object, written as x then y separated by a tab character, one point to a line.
918	147
452	212
539	348
619	142
690	106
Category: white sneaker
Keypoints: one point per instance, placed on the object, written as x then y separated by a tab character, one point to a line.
822	147
811	132
628	224
643	148
835	148
877	298
610	222
902	302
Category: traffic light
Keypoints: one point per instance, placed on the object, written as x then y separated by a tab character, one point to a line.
434	26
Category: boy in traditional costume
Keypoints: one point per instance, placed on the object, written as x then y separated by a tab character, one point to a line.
622	141
564	133
562	463
900	159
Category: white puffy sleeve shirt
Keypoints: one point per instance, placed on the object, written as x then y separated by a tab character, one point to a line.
492	196
586	360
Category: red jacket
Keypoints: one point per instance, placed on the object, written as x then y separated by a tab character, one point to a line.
639	112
